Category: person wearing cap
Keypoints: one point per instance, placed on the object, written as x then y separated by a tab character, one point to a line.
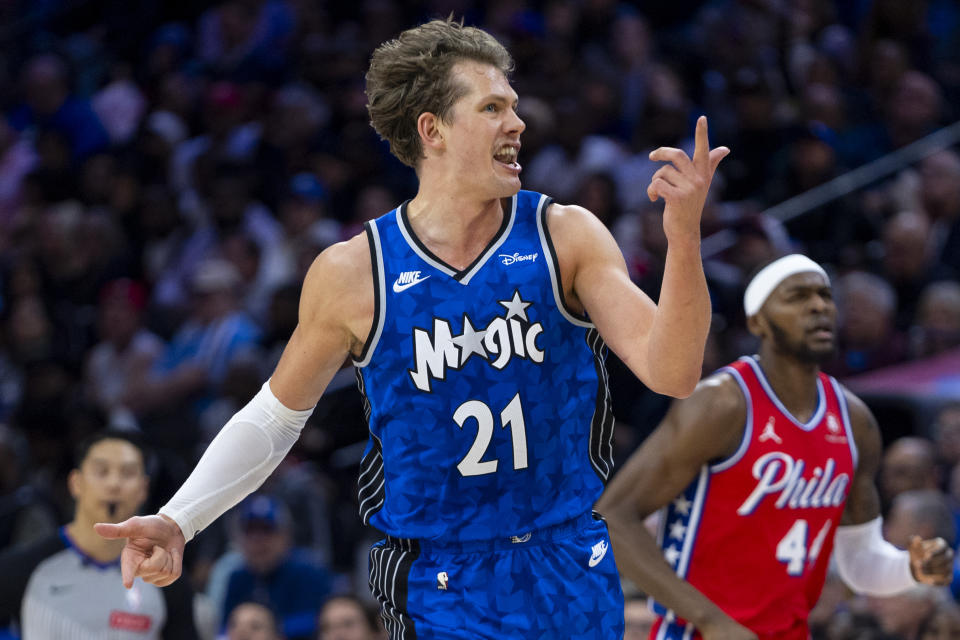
288	581
761	472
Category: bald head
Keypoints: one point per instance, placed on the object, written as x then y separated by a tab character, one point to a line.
920	512
908	464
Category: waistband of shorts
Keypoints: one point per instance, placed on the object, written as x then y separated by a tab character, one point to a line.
518	541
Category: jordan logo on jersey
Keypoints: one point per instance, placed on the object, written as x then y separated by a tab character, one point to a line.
779	473
504	337
769	434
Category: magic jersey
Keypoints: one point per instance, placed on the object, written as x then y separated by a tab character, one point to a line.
754	532
486	398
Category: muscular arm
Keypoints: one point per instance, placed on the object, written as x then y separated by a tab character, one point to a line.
863	501
662	344
705	427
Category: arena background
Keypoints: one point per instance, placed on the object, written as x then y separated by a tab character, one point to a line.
169	169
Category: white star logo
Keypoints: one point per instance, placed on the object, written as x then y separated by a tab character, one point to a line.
682	505
470	342
677	530
672	554
516	306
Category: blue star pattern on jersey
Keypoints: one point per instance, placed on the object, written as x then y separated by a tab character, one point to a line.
486	398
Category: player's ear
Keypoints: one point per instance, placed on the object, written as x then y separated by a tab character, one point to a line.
756	325
429	128
73	483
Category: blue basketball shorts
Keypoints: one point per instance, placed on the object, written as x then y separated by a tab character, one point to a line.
557	583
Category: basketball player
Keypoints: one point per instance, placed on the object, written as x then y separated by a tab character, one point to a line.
66	586
474	315
767	467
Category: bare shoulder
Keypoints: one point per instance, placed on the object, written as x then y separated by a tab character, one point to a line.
866	431
718	400
338	288
571	224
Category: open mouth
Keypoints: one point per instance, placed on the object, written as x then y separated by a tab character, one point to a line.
112	509
507	156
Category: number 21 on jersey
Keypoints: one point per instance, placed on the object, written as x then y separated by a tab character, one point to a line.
512	416
792	549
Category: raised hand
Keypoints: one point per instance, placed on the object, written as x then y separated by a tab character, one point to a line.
154	549
683	183
931	561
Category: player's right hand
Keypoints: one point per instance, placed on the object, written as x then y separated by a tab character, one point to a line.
154	549
727	629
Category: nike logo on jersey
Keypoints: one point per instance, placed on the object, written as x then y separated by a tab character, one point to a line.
778	473
598	551
406	280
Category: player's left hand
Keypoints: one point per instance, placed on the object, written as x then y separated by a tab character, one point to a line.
931	561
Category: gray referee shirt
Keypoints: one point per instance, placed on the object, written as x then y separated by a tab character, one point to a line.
64	594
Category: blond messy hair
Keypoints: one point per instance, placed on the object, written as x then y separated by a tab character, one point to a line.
411	75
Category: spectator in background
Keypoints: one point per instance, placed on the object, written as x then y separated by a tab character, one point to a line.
936	327
946	434
252	621
346	617
48	104
126	350
26	512
195	362
274	574
867	305
909	263
922	512
939	192
908	463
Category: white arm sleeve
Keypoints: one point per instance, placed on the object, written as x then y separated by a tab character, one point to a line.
238	460
868	563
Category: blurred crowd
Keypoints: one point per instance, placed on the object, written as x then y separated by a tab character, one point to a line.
169	170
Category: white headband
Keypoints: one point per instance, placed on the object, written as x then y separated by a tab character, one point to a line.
772	275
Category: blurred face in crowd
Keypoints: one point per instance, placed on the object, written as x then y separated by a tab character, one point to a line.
250	621
110	484
799	318
638	620
264	545
905	246
947	432
344	619
907	464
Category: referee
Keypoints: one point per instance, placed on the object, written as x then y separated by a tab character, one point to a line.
67	586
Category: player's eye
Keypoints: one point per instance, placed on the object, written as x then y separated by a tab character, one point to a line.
492	108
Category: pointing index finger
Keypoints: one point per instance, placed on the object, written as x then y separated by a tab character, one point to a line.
701	151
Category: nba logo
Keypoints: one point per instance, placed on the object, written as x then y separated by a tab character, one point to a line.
442	578
832	425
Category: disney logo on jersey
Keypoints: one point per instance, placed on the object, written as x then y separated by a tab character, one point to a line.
778	473
517	257
503	338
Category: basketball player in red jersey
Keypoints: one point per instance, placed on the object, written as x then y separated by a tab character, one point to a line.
763	471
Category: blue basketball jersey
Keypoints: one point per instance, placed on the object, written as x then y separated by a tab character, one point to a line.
486	398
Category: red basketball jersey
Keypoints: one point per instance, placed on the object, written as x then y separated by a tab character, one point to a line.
754	532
